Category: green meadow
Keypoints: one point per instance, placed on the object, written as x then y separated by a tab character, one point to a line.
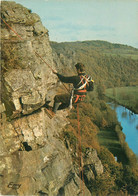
126	96
109	138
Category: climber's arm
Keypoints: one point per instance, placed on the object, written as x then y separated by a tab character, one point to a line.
64	78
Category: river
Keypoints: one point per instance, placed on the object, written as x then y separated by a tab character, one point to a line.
129	123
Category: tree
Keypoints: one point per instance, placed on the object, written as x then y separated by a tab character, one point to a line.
101	90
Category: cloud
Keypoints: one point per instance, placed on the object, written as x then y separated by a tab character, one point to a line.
70	20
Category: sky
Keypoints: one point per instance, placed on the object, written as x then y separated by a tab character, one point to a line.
115	21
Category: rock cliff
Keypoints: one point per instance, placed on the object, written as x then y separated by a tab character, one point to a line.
34	160
26	78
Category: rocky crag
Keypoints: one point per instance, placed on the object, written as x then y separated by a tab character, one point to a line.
34	160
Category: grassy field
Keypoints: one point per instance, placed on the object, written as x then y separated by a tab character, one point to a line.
133	56
126	96
109	139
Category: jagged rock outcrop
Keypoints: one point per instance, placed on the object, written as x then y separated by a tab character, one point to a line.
26	78
33	158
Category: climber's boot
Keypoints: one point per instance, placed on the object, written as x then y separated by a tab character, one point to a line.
16	114
50	112
55	107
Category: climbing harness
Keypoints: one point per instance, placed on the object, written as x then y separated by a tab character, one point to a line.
78	94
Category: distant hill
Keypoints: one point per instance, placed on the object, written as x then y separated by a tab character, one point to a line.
112	64
101	46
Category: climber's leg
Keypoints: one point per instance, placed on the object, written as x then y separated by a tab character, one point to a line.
60	102
62	98
55	107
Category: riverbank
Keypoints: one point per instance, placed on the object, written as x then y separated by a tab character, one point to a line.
125	96
109	99
115	141
109	139
101	130
129	123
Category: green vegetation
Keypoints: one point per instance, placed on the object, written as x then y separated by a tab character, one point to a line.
100	130
103	47
106	62
109	139
117	178
111	65
127	96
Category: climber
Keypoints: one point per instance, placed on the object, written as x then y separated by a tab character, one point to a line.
81	84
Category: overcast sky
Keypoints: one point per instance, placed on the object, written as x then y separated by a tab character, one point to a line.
115	21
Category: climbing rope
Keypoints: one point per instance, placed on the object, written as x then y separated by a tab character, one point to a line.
80	153
34	52
11	28
78	118
50	68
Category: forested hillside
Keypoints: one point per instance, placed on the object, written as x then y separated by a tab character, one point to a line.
96	117
42	156
112	64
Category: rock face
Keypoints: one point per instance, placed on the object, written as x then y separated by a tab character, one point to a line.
33	158
26	78
64	63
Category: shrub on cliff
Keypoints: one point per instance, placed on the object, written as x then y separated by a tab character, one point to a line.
123	178
94	116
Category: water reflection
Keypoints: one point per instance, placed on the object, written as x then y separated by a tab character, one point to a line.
129	123
124	114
